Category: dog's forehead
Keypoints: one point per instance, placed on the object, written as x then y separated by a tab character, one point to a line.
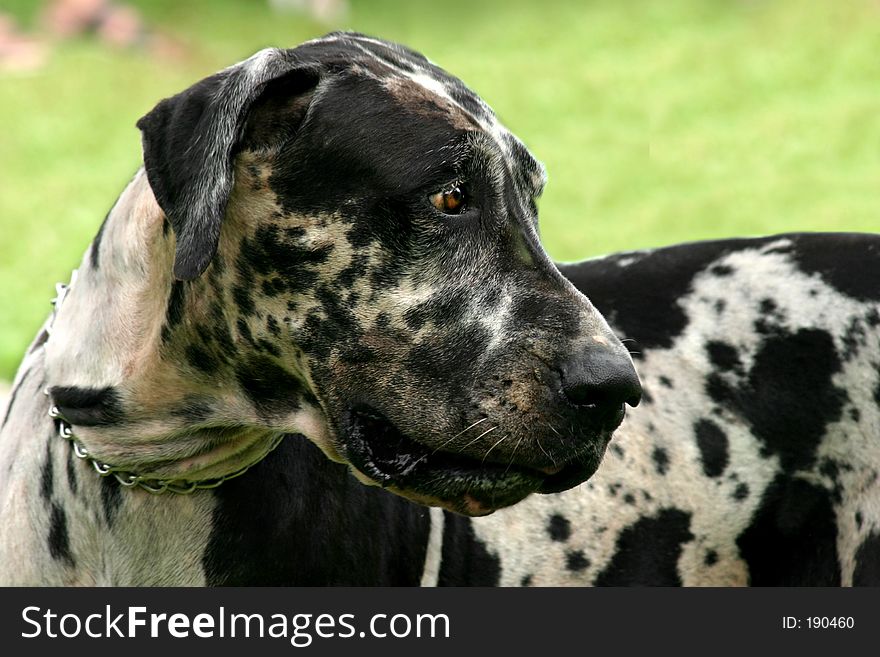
413	80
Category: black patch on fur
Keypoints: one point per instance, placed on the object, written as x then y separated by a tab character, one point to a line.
174	311
90	407
272	326
297	518
741	492
558	527
271	389
666	382
789	397
71	472
792	538
723	356
713	445
194	409
201	359
661	460
94	254
526	581
575	561
47	476
867	569
465	560
711	558
641	300
59	541
39	341
721	270
111	498
647	552
848	262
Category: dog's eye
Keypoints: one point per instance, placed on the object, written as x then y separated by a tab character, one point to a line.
450	201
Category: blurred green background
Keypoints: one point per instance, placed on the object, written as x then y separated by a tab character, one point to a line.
659	120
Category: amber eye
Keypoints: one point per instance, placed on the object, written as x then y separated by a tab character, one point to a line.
450	201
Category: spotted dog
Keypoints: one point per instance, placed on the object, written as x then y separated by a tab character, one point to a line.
329	266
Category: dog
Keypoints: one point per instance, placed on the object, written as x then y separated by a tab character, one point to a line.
329	266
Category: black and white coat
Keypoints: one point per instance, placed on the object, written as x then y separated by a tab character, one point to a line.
277	270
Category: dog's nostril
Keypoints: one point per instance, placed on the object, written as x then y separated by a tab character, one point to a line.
604	381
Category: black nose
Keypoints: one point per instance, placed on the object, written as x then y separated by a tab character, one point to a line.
601	380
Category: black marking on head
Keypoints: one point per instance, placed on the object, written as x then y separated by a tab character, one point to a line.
867	568
194	409
712	442
201	359
720	306
526	580
443	310
617	449
792	538
558	527
465	559
270	527
576	561
59	541
648	551
661	460
289	264
666	382
848	262
47	476
89	407
855	414
111	498
723	356
629	498
271	389
190	141
741	492
789	397
174	311
272	326
859	519
94	254
711	558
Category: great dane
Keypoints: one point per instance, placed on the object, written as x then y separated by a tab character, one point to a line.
329	266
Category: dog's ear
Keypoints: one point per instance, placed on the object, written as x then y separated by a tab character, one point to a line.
190	141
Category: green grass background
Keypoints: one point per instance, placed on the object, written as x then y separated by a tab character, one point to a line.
659	120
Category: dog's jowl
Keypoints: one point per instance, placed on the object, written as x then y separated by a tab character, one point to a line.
317	336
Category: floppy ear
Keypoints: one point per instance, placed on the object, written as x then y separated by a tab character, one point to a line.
190	142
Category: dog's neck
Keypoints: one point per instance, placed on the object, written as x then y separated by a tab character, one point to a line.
136	359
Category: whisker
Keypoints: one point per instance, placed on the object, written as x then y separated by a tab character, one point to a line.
552	460
513	454
478	437
500	440
553	429
459	434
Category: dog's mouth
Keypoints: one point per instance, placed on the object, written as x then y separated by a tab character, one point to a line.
458	482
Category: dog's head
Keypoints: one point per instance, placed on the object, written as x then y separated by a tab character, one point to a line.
372	230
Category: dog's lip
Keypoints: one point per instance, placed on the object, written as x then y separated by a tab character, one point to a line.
385	456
